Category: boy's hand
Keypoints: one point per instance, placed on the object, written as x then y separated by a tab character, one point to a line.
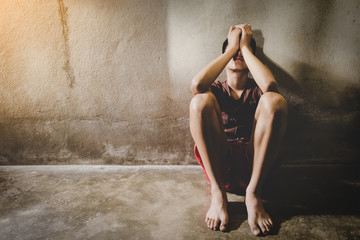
246	35
233	39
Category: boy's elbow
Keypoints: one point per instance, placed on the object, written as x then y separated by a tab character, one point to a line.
271	87
196	88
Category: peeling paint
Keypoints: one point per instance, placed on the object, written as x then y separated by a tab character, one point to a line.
65	32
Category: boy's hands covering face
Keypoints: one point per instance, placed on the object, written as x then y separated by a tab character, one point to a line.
233	39
246	35
234	44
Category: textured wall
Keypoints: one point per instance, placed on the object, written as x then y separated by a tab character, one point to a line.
108	81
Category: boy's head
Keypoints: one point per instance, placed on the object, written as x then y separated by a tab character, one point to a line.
252	45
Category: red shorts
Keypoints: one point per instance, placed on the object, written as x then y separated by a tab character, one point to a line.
236	169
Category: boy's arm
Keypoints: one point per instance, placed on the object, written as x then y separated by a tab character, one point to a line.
202	81
262	75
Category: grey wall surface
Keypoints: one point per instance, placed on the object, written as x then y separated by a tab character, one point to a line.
107	82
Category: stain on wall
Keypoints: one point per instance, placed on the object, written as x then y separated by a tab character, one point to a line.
107	82
65	32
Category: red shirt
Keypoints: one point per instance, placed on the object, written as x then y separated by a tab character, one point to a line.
237	115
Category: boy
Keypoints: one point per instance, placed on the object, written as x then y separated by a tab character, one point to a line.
238	126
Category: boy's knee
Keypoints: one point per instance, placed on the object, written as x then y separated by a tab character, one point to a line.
273	103
203	101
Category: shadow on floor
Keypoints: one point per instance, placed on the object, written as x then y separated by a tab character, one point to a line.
313	190
306	190
237	215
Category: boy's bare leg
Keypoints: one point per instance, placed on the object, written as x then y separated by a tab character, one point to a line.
208	133
268	132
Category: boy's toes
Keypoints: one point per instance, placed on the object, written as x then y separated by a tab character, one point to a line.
255	230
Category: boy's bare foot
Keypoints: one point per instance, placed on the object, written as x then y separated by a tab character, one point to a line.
217	215
258	219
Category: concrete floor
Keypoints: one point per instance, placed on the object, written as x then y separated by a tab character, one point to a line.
149	202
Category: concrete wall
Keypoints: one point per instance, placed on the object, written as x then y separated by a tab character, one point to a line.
108	81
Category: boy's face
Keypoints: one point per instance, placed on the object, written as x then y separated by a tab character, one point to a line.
237	63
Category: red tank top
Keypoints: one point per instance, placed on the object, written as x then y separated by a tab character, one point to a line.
237	115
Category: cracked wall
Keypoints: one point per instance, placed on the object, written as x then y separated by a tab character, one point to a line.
107	82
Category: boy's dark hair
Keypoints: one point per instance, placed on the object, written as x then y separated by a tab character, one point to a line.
252	45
